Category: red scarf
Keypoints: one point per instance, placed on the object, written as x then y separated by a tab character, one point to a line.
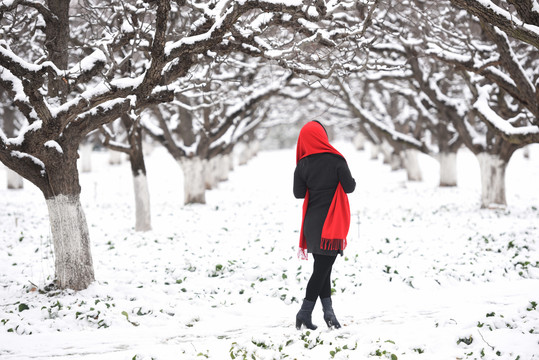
313	139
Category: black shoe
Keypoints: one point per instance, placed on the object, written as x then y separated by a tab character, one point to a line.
329	315
304	315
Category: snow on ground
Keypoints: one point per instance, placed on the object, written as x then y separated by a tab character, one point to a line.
427	275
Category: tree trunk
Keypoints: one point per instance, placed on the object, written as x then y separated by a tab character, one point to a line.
411	165
254	147
86	157
73	258
359	141
243	153
193	180
143	221
375	151
492	180
115	157
395	162
210	173
232	161
387	152
142	203
223	167
14	180
448	168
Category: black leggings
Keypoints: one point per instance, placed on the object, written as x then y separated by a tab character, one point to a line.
320	281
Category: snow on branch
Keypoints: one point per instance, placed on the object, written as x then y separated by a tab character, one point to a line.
368	117
21	155
21	68
489	12
504	127
255	97
18	141
99	115
220	31
86	68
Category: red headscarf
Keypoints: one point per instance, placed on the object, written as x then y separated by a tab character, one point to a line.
313	139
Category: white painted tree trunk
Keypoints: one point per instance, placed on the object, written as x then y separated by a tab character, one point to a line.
254	147
411	164
359	141
193	181
395	162
14	180
244	154
210	173
73	258
448	169
387	152
223	167
142	203
232	161
492	180
375	151
115	157
86	157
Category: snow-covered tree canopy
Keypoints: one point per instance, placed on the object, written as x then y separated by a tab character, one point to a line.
210	118
454	71
499	68
72	68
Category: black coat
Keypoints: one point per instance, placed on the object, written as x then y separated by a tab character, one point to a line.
320	174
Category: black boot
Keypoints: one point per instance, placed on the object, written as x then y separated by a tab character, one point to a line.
304	315
329	315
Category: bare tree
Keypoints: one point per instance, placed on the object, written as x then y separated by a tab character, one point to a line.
65	91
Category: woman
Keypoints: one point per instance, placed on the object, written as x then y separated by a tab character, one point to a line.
323	178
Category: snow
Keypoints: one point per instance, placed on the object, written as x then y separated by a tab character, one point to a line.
22	155
261	21
54	145
191	40
7	3
496	120
17	141
508	16
6	53
425	272
88	63
16	85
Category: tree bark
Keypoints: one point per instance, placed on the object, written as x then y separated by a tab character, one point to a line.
57	32
492	180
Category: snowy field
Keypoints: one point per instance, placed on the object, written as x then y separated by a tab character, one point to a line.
427	274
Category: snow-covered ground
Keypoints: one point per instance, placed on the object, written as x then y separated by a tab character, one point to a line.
427	274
